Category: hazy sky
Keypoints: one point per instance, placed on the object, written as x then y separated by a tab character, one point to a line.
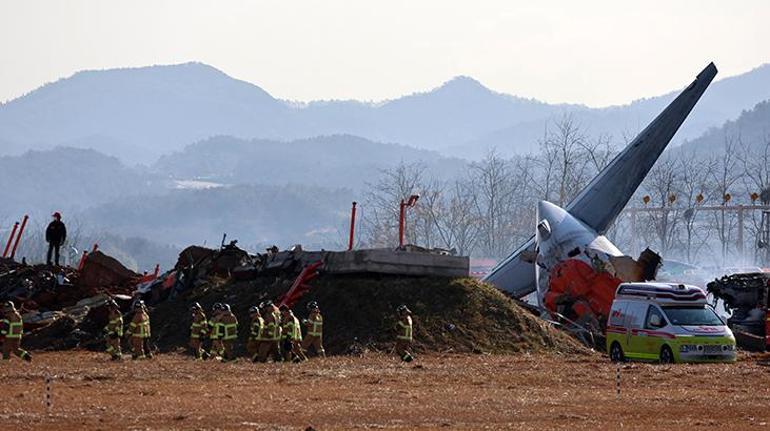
593	52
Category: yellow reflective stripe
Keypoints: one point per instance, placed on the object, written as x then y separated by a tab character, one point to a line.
217	330
231	331
317	328
256	329
296	333
144	329
407	334
115	321
289	327
15	329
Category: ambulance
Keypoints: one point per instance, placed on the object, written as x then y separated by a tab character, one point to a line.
666	322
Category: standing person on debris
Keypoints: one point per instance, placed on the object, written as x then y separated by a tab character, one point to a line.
198	330
114	330
314	325
292	336
139	331
217	331
270	346
404	333
229	332
256	335
55	235
12	327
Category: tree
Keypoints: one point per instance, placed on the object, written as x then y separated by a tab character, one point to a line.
723	178
381	205
694	172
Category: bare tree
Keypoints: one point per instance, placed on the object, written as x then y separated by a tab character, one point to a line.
723	178
381	205
493	185
694	173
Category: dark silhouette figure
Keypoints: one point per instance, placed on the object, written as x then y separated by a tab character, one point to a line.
55	235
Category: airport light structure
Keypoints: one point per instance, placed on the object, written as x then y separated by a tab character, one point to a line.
722	208
409	203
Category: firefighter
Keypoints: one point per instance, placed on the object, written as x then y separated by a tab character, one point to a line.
12	327
314	325
292	336
198	330
270	346
256	335
114	330
55	235
404	333
229	324
139	331
217	331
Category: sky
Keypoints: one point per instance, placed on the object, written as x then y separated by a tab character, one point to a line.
593	52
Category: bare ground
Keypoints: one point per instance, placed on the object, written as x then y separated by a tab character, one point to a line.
543	391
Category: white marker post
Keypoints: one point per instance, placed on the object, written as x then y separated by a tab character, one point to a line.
48	399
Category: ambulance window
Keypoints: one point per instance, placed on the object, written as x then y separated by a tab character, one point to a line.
636	313
658	318
617	314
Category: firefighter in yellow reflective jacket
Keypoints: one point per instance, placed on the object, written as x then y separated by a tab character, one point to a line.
292	336
217	331
229	332
114	330
12	327
404	333
314	336
139	331
256	335
199	328
270	346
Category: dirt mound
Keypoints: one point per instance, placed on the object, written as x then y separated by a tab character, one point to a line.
450	314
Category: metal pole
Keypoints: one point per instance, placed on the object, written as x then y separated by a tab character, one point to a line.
401	223
83	260
352	226
18	238
10	239
634	240
740	233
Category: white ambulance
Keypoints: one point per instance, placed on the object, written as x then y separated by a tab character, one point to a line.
666	322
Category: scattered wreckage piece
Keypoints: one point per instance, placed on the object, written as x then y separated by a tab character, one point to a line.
745	296
55	301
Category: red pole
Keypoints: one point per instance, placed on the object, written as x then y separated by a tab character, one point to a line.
401	223
10	239
157	269
83	260
18	237
352	226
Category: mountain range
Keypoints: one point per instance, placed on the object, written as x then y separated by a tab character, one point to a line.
142	114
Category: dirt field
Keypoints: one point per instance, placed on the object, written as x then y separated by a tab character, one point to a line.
376	391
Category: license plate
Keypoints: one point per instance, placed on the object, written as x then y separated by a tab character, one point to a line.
712	349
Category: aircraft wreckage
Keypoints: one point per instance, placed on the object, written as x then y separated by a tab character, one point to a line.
569	263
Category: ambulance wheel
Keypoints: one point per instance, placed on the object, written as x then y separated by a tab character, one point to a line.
616	353
666	355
